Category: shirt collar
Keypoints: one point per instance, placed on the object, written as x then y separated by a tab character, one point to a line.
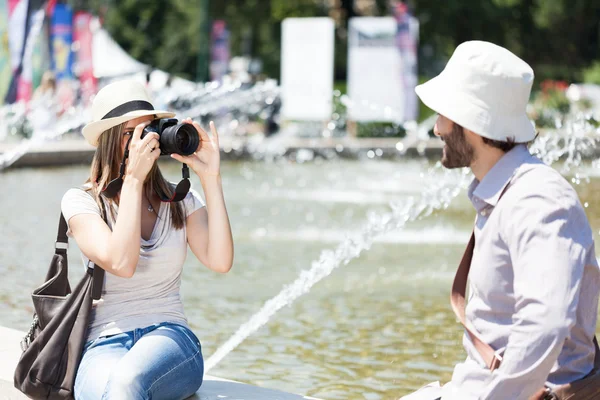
492	184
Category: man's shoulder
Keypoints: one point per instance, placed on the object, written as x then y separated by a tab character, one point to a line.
543	182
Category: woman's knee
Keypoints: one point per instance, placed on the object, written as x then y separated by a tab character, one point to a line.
181	381
94	370
126	383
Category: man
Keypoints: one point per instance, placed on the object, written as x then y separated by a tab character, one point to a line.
534	278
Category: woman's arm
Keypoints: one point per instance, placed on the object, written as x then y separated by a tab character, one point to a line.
118	251
208	229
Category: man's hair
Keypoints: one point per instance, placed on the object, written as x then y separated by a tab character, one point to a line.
506	146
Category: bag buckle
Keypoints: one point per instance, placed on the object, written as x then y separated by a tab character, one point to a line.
550	395
61	245
496	361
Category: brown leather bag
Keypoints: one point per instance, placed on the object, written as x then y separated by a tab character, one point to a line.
52	349
587	388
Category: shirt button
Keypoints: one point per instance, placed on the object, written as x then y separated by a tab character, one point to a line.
484	213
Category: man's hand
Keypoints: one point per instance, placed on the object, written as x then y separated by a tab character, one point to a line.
540	394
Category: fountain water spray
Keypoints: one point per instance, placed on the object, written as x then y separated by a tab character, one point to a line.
444	188
574	142
75	119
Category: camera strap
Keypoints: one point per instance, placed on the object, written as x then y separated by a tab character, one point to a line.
181	190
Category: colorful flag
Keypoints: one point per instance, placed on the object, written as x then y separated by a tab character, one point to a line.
17	32
17	26
82	36
5	66
219	53
62	36
62	57
407	38
25	87
40	57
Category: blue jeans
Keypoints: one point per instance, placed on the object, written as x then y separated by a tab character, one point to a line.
162	361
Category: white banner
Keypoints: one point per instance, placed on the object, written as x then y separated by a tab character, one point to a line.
307	68
17	18
375	82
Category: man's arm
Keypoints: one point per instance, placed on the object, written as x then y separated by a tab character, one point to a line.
547	237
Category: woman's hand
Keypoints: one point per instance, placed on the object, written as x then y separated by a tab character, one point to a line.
206	161
143	153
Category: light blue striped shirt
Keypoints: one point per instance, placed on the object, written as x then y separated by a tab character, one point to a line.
534	283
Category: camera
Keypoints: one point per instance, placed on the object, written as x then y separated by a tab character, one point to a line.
175	138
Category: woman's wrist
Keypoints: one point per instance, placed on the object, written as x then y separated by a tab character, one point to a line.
133	181
207	178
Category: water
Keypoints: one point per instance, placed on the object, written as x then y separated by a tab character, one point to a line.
444	188
374	329
576	138
288	212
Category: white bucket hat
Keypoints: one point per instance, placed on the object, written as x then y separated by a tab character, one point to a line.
116	103
484	88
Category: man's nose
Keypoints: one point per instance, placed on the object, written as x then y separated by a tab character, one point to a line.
436	131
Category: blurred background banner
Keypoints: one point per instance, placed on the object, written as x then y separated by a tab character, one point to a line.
219	50
407	41
5	66
62	55
62	38
40	54
17	32
84	65
307	68
25	89
375	81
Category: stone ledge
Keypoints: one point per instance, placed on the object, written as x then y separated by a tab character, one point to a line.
77	152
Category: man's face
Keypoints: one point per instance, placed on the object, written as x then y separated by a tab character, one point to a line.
457	152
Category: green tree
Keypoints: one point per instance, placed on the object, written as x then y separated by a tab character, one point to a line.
559	38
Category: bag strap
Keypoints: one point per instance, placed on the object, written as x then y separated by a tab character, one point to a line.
597	356
97	282
491	357
62	244
62	240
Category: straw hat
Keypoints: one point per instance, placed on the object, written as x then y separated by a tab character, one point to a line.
484	88
116	103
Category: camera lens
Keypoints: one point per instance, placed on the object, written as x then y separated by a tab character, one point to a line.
183	140
180	139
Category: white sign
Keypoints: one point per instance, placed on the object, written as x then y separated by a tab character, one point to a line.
307	69
375	82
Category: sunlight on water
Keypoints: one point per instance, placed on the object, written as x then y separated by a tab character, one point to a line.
445	186
574	140
577	139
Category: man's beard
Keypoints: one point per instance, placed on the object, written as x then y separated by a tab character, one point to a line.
458	152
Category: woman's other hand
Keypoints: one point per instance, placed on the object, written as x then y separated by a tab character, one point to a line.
206	161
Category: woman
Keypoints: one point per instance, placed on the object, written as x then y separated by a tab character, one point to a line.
139	345
45	107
